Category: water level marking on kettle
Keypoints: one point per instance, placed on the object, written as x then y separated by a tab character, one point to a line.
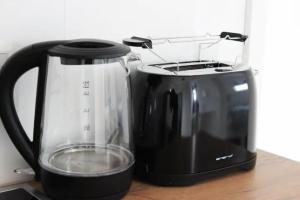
87	128
86	110
86	84
86	118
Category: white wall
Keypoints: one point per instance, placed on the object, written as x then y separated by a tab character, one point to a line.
278	22
25	22
21	23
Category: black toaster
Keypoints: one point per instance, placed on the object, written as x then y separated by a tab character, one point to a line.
192	120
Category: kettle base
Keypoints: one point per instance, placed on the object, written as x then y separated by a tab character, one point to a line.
189	179
110	187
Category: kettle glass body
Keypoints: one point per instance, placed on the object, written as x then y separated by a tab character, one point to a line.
86	123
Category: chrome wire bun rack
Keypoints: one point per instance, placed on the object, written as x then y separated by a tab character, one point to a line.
204	42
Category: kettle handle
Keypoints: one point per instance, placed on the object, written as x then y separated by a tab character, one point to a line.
18	64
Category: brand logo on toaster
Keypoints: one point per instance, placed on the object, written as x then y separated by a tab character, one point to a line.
224	157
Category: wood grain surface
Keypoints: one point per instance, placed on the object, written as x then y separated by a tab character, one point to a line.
274	178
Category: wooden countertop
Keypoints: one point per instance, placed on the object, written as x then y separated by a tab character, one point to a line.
274	178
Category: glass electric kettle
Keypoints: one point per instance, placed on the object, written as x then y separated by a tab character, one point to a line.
82	146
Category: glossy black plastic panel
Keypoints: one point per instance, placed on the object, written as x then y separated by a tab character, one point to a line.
193	124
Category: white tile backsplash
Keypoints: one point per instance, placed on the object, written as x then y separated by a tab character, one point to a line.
116	19
22	23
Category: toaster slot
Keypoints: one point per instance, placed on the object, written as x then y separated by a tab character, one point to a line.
190	65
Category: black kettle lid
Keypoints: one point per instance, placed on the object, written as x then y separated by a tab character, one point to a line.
89	49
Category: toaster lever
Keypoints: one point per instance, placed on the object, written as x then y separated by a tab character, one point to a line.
138	42
234	36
